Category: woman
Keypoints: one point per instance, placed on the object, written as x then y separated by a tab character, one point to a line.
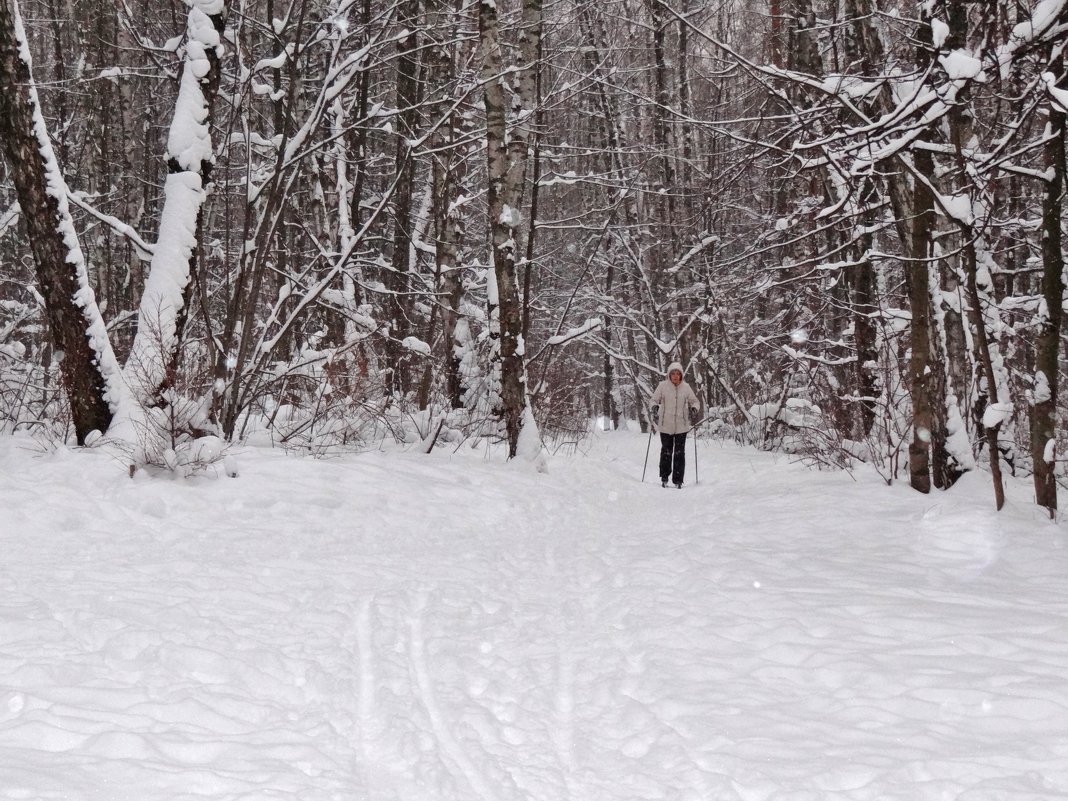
675	406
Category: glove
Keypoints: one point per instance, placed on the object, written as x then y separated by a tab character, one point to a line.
654	411
693	417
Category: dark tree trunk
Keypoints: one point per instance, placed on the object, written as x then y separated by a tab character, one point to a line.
1047	343
397	279
922	365
864	307
69	301
448	174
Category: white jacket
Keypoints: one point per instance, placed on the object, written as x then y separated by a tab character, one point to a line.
675	403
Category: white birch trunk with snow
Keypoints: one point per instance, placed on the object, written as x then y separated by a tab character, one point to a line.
189	156
510	94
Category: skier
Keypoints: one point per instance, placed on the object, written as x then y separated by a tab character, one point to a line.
675	407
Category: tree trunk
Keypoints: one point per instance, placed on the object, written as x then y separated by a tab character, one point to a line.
398	378
164	305
507	140
864	307
448	176
1047	342
921	364
960	131
89	370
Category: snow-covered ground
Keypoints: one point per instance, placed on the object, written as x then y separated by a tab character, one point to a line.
393	626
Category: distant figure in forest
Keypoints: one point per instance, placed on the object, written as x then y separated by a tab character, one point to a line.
675	408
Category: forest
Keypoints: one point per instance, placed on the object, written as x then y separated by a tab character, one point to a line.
326	223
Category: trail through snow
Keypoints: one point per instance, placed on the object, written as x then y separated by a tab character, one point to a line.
445	628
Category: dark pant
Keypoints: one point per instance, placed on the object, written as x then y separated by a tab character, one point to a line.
673	457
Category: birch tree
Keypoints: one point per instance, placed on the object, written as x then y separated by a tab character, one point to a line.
164	306
90	371
509	102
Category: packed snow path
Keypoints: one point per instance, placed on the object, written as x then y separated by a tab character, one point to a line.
442	628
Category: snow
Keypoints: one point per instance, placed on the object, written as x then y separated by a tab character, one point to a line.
416	345
1043	17
1058	95
996	413
513	218
275	63
939	32
492	294
1024	34
211	7
958	442
189	138
795	412
448	627
961	65
1042	392
529	446
591	324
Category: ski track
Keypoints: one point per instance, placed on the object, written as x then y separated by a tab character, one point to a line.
434	634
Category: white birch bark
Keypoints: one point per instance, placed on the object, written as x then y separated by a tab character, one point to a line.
509	100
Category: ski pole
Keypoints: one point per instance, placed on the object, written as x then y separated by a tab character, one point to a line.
696	477
647	446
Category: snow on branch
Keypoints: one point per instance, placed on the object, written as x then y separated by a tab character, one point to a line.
416	345
1057	95
143	249
997	413
705	243
793	412
1041	26
588	327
